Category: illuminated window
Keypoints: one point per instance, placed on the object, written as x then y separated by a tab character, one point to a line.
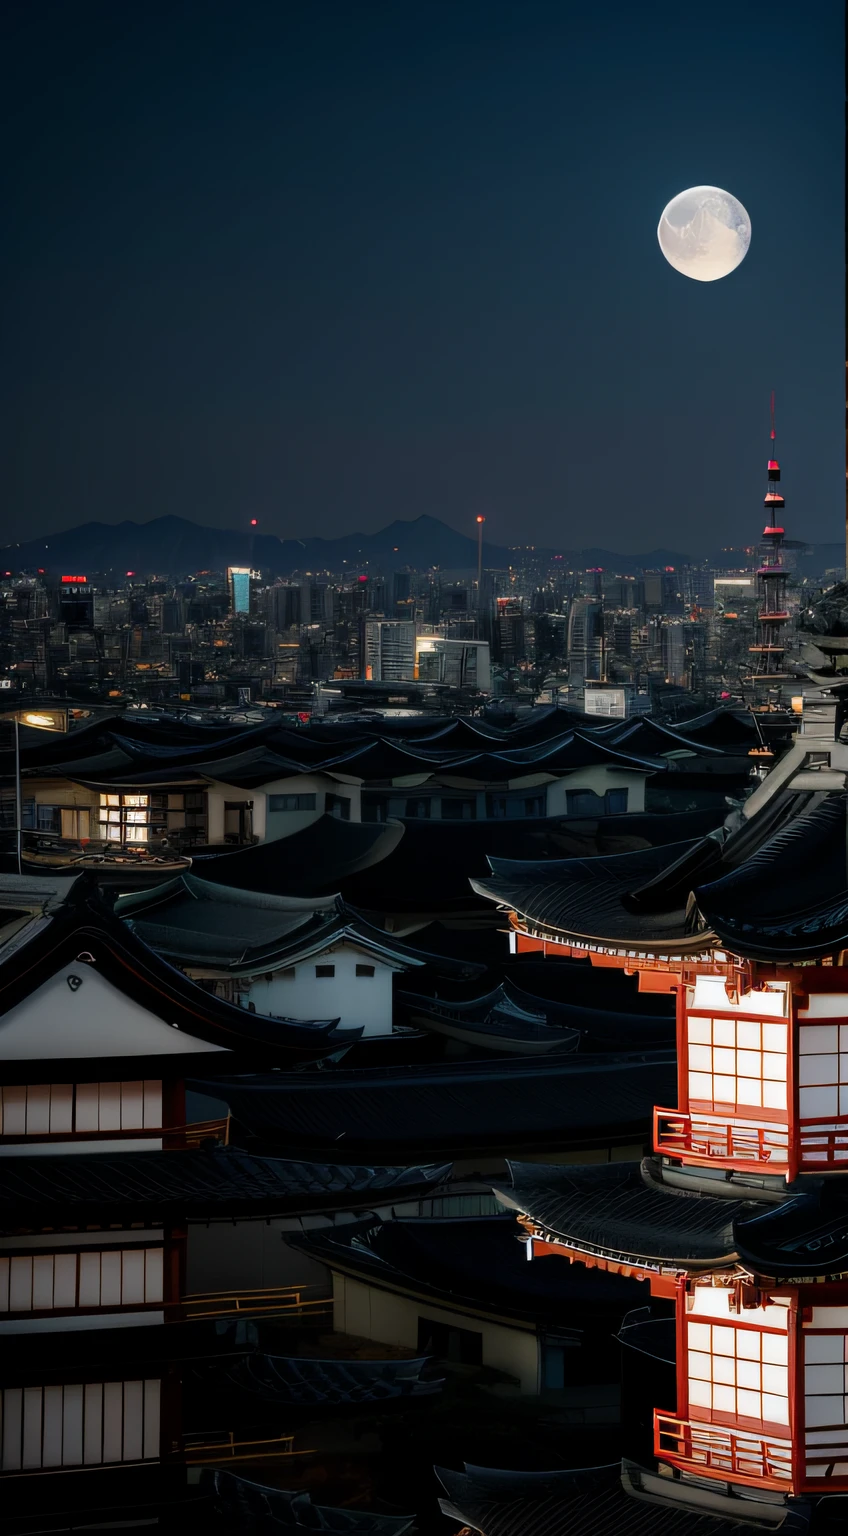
737	1062
80	1424
109	1277
822	1070
825	1377
55	1109
738	1371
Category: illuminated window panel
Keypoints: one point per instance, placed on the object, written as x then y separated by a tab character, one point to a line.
56	1109
822	1070
737	1062
51	1282
738	1371
79	1424
826	1393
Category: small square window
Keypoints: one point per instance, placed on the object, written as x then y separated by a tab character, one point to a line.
324	971
365	970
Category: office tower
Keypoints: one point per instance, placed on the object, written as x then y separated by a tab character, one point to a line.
585	641
238	580
389	650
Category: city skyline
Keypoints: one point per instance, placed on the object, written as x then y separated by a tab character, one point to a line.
413	270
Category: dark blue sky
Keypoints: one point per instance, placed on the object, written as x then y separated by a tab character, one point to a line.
332	262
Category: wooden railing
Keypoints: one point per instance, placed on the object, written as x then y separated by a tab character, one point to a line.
732	1455
717	1139
211	1448
200	1130
283	1300
823	1143
706	1139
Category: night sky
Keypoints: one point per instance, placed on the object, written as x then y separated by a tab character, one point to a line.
335	262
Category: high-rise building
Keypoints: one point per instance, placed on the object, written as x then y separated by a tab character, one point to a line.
585	641
508	631
673	651
389	650
238	580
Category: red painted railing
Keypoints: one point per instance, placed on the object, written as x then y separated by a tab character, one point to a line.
712	1139
708	1140
823	1143
729	1454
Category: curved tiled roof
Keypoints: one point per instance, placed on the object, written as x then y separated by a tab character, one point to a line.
251	1509
194	1182
473	1106
610	1209
789	899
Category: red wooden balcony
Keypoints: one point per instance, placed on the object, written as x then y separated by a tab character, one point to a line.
731	1455
713	1140
721	1141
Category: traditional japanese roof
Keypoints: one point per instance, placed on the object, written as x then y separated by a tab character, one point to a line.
83	933
496	1020
473	1263
721	728
473	1107
621	1498
789	899
805	1235
308	1383
589	899
781	860
609	1211
624	1214
129	749
428	872
195	1183
196	921
251	1509
644	735
311	862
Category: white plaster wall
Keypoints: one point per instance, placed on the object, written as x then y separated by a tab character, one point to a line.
369	1313
95	1020
598	779
269	826
356	1000
60	792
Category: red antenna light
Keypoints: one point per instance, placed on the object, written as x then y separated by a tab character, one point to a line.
254	521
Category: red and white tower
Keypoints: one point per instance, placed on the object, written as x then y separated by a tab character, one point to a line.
772	615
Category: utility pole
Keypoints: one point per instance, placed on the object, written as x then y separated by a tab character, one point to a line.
480	522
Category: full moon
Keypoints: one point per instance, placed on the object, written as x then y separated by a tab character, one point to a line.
704	233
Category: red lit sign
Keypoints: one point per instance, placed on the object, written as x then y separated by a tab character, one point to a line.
362	578
74	581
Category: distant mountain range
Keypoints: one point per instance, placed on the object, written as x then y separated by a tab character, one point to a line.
173	546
